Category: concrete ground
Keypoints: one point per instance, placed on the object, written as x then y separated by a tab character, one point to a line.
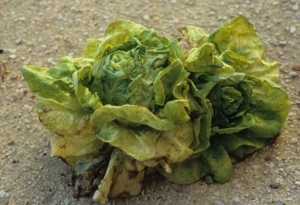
38	32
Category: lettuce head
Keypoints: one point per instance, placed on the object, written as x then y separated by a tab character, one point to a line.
135	101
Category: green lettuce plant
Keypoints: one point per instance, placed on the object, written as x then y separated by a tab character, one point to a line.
136	102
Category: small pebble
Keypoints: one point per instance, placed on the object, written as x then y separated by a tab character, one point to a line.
293	74
12	56
18	41
282	43
146	17
66	201
236	199
59	18
295	7
21	18
2	193
294	141
26	121
219	203
297	183
292	29
71	54
11	51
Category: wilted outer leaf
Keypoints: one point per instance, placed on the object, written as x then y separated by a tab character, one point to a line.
123	178
65	108
76	149
143	142
131	115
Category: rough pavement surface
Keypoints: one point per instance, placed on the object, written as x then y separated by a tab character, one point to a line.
38	32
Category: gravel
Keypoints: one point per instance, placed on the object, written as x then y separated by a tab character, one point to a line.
39	32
